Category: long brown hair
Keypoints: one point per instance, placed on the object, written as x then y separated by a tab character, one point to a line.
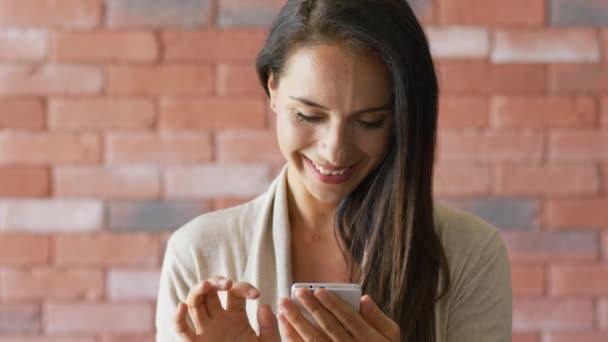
386	225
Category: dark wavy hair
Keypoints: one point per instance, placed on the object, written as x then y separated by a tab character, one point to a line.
385	227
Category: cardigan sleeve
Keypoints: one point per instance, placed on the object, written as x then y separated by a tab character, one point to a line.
481	310
176	280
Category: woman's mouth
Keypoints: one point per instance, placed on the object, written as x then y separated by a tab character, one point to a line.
331	175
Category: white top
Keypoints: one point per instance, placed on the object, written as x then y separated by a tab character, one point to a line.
251	243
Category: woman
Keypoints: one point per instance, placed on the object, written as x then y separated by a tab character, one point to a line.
355	94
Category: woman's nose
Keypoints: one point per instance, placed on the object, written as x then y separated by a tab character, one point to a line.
334	145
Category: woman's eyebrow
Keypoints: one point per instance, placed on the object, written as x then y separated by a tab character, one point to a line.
316	105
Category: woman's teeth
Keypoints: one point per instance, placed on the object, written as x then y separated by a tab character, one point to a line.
328	172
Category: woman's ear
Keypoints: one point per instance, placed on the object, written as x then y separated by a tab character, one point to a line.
272	90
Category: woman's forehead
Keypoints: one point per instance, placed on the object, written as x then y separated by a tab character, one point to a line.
336	71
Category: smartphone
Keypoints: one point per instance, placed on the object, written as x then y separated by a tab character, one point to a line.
349	293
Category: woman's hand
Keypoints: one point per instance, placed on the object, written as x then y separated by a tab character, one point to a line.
214	323
338	321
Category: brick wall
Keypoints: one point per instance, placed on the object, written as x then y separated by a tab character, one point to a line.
122	119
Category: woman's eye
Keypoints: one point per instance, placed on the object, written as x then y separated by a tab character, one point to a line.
371	124
305	118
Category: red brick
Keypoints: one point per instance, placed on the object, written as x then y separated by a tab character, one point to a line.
578	280
481	78
103	182
459	42
160	80
525	337
547	179
223	203
19	45
579	146
45	148
212	181
50	80
551	246
24	181
582	212
533	314
543	112
105	46
604	41
492	12
595	336
240	45
121	249
22	114
34	338
578	78
214	113
463	112
79	14
248	146
528	280
602	314
98	318
493	146
158	14
456	179
52	215
238	80
604	112
102	114
545	45
605	177
19	318
12	246
45	284
133	284
159	148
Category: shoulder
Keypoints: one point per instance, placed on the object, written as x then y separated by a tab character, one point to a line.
468	241
218	231
461	229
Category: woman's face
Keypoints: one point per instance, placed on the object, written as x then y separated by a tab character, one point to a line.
334	118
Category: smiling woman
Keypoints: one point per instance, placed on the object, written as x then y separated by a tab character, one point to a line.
355	94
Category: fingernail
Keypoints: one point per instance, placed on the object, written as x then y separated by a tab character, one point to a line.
253	292
283	307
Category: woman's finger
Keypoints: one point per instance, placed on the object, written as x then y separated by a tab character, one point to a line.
181	326
324	318
212	300
350	319
196	305
301	325
288	330
269	328
372	314
238	295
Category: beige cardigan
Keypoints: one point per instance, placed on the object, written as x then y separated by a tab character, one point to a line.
251	243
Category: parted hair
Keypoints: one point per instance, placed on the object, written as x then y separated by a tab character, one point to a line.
385	227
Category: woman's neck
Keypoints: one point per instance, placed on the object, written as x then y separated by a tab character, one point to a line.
307	215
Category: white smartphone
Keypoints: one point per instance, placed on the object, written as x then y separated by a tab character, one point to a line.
349	293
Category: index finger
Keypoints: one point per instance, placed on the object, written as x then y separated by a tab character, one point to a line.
238	295
377	319
350	319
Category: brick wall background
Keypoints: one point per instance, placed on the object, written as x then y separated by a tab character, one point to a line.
122	119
